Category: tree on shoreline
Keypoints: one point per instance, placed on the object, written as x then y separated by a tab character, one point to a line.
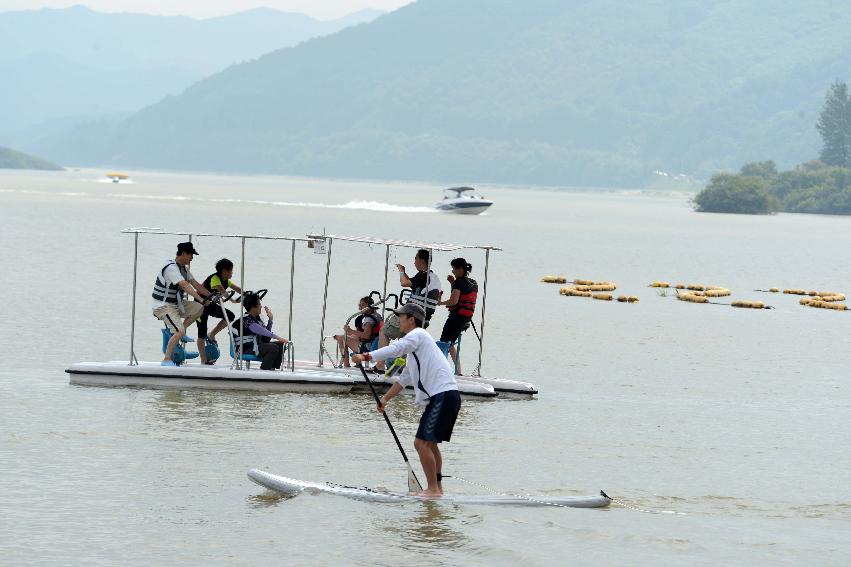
733	193
834	125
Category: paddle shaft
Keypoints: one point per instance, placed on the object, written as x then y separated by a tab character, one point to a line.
384	413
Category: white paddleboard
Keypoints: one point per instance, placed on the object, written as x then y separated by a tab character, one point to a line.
292	487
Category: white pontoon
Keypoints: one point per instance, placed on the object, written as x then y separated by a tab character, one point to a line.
294	375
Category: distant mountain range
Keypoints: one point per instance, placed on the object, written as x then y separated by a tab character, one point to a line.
565	92
61	64
10	159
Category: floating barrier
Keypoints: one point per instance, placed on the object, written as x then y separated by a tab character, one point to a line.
599	286
795	292
692	297
660	284
680	286
628	299
774	289
823	304
750	304
573	292
717	292
554	279
602	296
830	298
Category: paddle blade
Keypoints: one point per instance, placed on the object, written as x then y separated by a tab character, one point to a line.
413	483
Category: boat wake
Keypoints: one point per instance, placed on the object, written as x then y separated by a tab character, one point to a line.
356	205
362	205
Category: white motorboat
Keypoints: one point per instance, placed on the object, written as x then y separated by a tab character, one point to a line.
463	201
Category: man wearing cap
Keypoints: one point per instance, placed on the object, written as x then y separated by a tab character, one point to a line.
174	281
429	373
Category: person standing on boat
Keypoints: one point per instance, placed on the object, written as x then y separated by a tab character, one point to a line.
425	292
461	305
257	338
428	372
425	285
217	282
174	282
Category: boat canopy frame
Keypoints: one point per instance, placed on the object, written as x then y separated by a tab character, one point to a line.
136	231
418	244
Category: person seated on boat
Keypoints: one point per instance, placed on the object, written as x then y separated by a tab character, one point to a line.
174	281
367	326
257	337
217	282
461	305
425	292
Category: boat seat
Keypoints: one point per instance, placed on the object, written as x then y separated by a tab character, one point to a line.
180	354
248	358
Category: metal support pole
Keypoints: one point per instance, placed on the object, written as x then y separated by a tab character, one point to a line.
484	304
238	351
292	291
325	300
386	271
133	361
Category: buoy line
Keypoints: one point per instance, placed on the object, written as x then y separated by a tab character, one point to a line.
637	509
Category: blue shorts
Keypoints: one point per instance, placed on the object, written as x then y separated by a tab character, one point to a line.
438	419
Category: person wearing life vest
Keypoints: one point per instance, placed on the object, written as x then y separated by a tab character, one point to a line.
425	292
170	304
461	304
217	282
367	327
257	337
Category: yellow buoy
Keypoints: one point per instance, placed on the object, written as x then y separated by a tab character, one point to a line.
774	289
573	292
660	284
602	296
554	279
717	292
692	298
749	304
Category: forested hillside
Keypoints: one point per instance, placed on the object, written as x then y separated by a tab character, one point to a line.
561	92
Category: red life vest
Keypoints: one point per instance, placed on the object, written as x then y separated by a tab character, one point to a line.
466	301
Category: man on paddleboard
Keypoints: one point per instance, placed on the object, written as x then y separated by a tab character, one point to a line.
429	373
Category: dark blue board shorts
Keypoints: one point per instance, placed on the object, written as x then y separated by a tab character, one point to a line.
438	419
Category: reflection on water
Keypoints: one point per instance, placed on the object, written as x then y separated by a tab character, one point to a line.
432	523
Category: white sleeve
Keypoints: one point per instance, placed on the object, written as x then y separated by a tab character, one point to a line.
435	283
173	275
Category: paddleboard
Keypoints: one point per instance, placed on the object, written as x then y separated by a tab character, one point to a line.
293	487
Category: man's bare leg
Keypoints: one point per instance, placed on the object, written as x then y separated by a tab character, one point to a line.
202	350
201	342
456	364
172	343
216	330
426	453
438	465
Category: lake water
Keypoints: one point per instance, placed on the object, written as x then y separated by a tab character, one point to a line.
737	419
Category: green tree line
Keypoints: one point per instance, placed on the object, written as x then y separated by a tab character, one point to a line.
821	186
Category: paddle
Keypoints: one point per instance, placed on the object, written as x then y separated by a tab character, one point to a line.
413	483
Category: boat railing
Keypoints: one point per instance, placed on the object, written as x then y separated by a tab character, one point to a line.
329	239
136	231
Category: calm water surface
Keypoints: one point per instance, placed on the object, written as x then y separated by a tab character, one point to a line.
738	419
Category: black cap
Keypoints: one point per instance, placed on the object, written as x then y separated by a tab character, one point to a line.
186	247
410	309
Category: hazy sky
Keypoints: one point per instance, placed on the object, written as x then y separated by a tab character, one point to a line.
322	9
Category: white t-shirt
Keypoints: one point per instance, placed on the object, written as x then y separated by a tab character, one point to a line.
426	368
172	276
